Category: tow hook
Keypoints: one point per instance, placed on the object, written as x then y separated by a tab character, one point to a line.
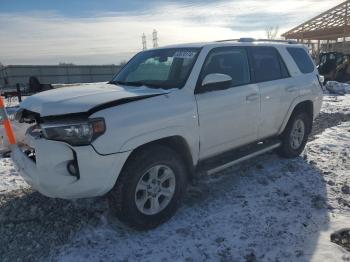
73	167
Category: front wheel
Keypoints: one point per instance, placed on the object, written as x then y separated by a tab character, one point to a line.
295	135
150	187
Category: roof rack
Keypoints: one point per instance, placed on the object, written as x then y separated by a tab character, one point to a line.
250	40
291	42
227	40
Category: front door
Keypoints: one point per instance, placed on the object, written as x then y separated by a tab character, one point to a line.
228	117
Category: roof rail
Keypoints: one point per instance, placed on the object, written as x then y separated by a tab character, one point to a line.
250	40
227	40
291	42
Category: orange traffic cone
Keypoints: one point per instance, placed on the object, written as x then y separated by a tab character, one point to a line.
7	123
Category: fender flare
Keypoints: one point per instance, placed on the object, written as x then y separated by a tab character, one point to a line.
151	136
293	105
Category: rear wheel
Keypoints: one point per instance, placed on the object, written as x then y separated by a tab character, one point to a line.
295	135
150	187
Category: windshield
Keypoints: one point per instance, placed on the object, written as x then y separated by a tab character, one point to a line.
161	68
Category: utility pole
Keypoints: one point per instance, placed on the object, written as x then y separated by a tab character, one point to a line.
144	42
155	38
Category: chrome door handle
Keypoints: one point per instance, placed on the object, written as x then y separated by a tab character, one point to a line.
252	97
291	89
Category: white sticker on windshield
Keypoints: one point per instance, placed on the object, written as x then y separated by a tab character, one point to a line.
185	54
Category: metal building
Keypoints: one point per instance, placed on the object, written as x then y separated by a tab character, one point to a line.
56	74
327	31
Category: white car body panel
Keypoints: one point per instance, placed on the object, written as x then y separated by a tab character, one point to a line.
210	123
274	105
49	175
227	119
147	120
77	99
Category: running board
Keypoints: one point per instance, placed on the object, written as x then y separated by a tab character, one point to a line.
228	159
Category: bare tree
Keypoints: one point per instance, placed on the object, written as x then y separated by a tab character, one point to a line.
272	32
1	65
123	63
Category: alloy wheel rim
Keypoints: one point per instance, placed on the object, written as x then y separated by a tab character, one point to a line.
297	134
155	190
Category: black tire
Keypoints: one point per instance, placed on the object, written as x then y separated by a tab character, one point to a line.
122	199
286	150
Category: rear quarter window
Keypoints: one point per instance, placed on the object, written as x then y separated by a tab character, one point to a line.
302	59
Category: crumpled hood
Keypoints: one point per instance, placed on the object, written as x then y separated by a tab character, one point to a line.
83	98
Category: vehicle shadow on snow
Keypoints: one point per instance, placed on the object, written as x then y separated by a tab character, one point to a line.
32	224
266	209
277	208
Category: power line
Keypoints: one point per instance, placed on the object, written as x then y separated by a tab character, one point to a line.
144	42
155	38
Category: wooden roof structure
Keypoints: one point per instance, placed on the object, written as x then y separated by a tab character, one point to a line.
330	25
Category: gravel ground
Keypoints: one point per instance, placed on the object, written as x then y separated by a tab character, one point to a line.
342	238
37	228
31	224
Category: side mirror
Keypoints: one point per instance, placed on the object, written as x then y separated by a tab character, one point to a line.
217	81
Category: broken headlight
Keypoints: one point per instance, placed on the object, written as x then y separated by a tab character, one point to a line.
75	133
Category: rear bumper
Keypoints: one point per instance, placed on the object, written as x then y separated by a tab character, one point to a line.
49	174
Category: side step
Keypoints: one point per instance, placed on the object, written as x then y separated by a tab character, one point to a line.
230	158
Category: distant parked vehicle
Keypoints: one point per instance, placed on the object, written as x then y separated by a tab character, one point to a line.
169	113
334	66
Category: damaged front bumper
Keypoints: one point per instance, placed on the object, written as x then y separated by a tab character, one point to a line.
44	165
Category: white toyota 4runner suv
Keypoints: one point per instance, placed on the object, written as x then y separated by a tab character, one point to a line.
167	114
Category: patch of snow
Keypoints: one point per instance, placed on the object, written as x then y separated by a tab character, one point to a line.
336	104
9	178
335	87
331	152
326	250
77	84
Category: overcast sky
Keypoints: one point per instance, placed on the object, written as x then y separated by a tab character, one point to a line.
106	31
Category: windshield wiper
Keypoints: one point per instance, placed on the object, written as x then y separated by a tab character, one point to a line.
125	83
136	83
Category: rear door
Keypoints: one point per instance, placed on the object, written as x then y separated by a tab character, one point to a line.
277	89
228	116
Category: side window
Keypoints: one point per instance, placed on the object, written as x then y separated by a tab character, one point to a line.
285	72
267	64
302	59
229	61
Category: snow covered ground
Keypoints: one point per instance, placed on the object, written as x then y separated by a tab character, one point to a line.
336	104
266	209
9	179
